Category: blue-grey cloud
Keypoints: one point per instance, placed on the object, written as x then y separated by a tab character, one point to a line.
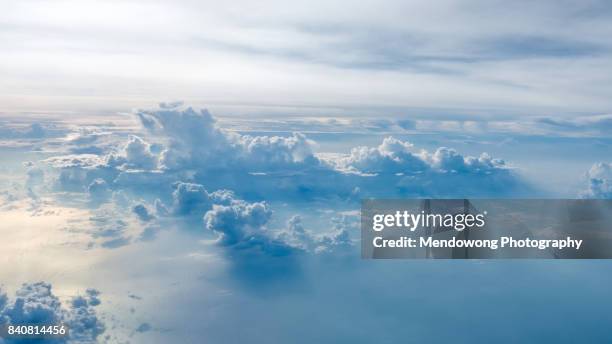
599	180
143	212
600	125
35	304
34	131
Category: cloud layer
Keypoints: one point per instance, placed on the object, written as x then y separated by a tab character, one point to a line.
191	147
404	56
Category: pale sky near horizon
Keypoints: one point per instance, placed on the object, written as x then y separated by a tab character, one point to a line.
473	57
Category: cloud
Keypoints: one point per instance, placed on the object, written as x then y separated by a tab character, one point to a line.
192	149
599	179
406	124
288	167
194	141
297	236
396	156
143	213
392	156
35	175
136	154
237	223
112	225
35	303
144	327
600	125
242	225
311	56
98	190
185	166
33	131
190	198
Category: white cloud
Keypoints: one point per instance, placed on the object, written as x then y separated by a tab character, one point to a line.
136	154
415	55
243	226
391	156
194	149
239	222
299	237
599	179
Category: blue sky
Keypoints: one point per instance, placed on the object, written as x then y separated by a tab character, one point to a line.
191	171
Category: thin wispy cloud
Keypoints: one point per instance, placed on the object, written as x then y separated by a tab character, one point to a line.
528	58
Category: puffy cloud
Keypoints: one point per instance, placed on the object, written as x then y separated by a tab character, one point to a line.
447	159
93	296
243	225
35	303
297	236
265	152
190	198
191	147
136	154
192	155
193	138
396	156
85	326
391	156
599	181
195	141
240	222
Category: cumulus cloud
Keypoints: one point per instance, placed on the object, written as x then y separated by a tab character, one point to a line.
189	198
238	222
243	225
297	236
136	154
396	156
195	141
599	179
392	156
183	153
35	303
395	168
193	138
190	147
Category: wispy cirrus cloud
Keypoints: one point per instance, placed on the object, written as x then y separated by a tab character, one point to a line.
471	57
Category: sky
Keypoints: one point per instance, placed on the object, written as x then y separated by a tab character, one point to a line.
476	58
192	171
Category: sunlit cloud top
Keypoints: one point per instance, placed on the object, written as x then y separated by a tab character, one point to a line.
477	57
